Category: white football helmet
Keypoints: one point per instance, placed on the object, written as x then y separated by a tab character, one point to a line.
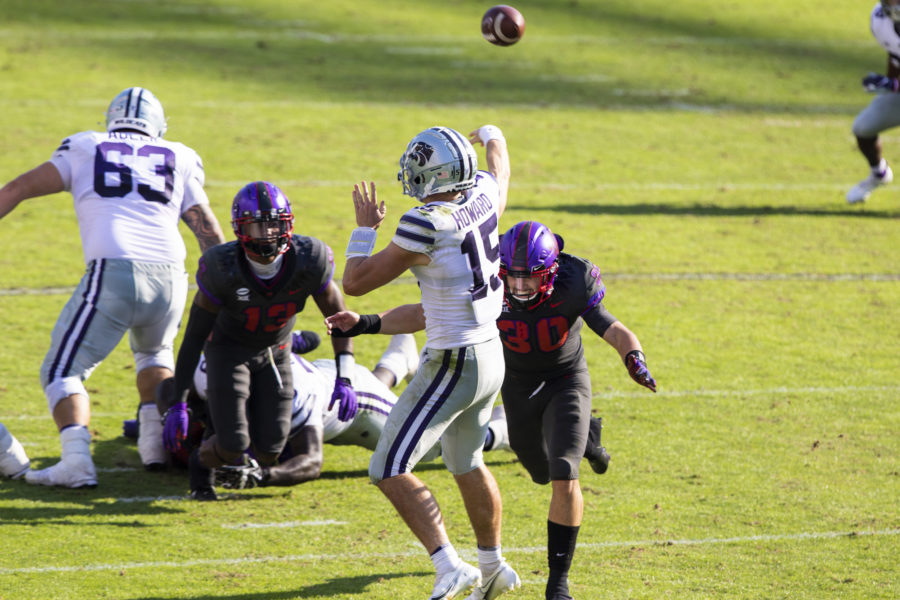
136	108
437	160
891	9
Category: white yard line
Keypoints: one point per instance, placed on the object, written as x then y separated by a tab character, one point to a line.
780	391
390	555
723	276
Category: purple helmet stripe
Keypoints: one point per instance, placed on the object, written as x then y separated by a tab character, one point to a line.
467	173
137	104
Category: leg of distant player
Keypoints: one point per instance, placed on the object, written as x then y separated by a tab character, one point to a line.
882	113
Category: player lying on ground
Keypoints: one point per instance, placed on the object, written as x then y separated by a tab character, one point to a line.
314	422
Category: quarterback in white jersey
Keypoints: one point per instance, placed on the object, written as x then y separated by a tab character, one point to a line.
451	245
130	188
883	112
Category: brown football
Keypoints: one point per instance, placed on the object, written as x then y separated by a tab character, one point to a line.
502	25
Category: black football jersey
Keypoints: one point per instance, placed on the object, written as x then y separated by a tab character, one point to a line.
254	312
546	340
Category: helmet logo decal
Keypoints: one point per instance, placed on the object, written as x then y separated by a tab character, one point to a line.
421	153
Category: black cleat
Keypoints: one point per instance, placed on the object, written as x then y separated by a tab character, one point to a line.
205	494
596	454
599	460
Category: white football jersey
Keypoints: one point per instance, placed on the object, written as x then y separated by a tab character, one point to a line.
461	288
882	27
130	191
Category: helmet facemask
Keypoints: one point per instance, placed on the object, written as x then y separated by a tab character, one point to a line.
266	235
891	9
544	277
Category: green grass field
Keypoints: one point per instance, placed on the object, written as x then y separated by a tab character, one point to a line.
697	151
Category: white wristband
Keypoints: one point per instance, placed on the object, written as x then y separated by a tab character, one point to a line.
362	242
487	133
346	366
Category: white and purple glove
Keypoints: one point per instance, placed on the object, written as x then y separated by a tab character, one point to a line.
637	368
175	426
346	395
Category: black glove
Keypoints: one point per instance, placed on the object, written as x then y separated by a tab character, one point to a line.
873	82
241	477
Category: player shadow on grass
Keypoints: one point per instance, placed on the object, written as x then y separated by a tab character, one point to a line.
333	587
436	465
710	210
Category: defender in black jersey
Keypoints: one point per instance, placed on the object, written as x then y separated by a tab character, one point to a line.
547	389
243	313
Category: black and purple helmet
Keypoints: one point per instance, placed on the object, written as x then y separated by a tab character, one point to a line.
262	219
529	249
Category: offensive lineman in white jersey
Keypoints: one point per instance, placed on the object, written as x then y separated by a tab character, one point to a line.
129	187
883	112
451	245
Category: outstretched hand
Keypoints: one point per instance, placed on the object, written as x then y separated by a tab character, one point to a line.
369	213
341	322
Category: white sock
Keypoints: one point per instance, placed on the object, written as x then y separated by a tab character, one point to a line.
75	439
150	430
445	559
488	560
880	168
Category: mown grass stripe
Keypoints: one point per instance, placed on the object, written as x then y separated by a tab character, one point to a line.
355	556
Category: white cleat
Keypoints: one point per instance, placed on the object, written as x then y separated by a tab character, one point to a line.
859	192
456	582
73	471
502	580
14	462
150	443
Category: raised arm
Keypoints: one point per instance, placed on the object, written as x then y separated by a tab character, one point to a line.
497	156
363	271
39	181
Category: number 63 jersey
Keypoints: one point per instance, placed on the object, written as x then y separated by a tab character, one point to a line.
461	288
129	191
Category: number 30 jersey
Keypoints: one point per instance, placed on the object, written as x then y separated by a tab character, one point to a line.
461	288
129	191
546	341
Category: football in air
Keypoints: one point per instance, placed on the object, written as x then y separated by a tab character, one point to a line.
502	25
